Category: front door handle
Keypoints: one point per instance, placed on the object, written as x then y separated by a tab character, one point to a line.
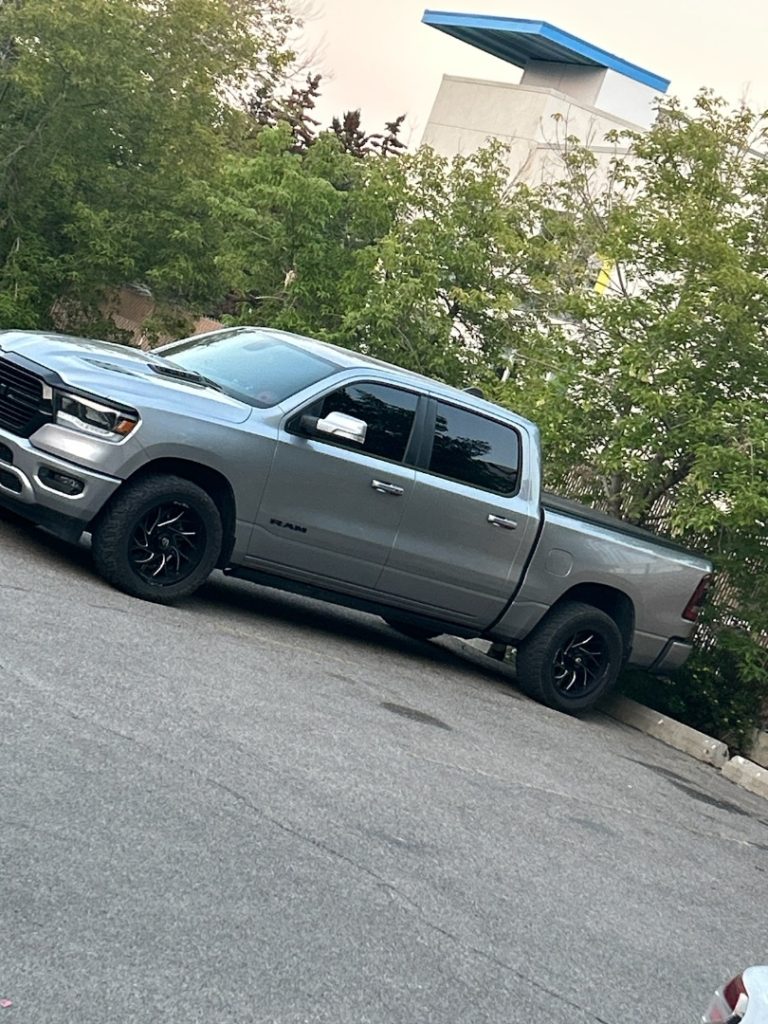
384	488
501	522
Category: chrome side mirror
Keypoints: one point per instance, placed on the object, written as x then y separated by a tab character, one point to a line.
339	425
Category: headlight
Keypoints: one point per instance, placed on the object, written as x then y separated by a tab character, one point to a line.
93	418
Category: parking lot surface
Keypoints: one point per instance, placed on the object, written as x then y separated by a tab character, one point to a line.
256	808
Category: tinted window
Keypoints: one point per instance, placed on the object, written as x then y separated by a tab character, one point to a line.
253	366
388	412
475	451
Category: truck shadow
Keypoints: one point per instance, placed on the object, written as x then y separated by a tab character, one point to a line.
58	553
246	603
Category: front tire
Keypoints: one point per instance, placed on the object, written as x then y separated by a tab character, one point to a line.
159	538
572	658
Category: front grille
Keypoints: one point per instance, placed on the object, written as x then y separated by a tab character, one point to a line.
21	399
6	455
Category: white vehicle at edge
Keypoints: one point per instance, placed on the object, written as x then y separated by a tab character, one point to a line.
743	1000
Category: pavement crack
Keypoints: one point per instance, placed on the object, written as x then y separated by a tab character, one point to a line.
297	834
109	608
491	958
403	898
46	832
570	797
236	795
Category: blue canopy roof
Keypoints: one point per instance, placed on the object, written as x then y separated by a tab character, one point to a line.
519	41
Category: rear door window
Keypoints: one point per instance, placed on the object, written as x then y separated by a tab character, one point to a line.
474	450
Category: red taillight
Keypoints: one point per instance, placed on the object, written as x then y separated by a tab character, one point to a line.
694	606
733	990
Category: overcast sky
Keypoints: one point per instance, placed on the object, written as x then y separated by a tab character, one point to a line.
376	54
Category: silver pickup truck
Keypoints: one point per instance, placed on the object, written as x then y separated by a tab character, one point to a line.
311	468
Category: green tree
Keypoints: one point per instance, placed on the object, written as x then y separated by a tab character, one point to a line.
288	211
652	394
433	293
400	257
115	116
269	105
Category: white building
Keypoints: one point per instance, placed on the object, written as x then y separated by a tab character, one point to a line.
568	87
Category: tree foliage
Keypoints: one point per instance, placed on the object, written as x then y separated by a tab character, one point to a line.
113	120
270	106
652	394
402	258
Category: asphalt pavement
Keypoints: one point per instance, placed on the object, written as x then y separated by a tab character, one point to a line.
254	807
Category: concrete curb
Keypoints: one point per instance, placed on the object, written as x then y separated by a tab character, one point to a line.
673	733
696	744
759	748
747	774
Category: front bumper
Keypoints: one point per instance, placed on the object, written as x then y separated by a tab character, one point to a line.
24	470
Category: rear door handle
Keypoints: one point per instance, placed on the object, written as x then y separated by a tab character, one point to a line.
501	522
385	488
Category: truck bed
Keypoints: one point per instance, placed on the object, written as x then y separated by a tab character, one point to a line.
568	507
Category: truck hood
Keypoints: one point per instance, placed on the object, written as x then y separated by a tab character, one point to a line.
120	373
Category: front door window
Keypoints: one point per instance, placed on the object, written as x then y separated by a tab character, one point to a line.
388	412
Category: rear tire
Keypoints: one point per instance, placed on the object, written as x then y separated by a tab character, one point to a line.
159	538
572	658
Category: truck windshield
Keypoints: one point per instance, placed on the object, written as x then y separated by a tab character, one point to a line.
254	367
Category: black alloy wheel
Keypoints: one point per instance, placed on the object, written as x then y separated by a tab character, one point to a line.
572	658
580	664
158	538
167	544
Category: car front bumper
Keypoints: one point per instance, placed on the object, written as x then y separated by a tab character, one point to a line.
31	482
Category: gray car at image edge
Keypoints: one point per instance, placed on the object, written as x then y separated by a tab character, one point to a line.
299	465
